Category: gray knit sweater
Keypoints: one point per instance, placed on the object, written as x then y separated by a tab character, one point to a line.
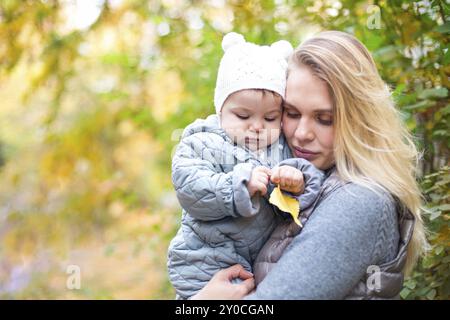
353	228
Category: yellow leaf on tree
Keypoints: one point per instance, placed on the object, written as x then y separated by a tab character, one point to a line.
285	204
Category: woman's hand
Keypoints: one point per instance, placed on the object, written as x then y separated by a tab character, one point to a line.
221	288
289	178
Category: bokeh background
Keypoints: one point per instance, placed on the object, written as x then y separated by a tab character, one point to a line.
94	95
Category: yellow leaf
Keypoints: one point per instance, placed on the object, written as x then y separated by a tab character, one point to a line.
286	204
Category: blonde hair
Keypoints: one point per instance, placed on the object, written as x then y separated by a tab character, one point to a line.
372	145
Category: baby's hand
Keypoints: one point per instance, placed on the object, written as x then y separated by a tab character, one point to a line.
289	178
258	181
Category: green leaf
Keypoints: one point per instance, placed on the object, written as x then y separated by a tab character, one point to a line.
436	284
373	41
433	93
433	236
421	105
428	262
435	214
440	133
387	53
423	291
446	260
404	99
398	90
405	293
438	250
411	284
444	207
433	188
431	294
444	28
446	59
446	110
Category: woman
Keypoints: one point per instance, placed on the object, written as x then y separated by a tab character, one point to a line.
339	115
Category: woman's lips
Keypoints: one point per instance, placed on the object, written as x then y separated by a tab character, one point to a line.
305	153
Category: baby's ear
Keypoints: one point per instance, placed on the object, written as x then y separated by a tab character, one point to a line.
231	39
283	48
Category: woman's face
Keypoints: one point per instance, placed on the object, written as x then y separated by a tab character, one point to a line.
308	122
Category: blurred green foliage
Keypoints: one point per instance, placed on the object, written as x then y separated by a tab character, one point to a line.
95	95
431	278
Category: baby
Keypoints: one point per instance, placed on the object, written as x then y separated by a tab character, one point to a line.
225	165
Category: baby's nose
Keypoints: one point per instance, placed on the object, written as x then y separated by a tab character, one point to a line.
257	126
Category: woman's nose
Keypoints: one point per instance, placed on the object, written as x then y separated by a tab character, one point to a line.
304	131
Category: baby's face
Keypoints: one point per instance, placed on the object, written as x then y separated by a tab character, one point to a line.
252	118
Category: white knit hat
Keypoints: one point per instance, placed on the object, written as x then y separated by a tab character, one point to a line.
245	65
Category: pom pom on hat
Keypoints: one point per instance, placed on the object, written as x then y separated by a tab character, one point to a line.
231	39
283	48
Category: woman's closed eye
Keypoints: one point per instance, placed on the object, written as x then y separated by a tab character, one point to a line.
325	120
293	115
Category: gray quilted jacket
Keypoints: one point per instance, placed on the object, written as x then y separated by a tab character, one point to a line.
221	225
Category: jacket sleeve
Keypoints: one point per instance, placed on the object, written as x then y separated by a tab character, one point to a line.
313	178
205	192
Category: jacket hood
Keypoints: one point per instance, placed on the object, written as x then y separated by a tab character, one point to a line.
210	124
